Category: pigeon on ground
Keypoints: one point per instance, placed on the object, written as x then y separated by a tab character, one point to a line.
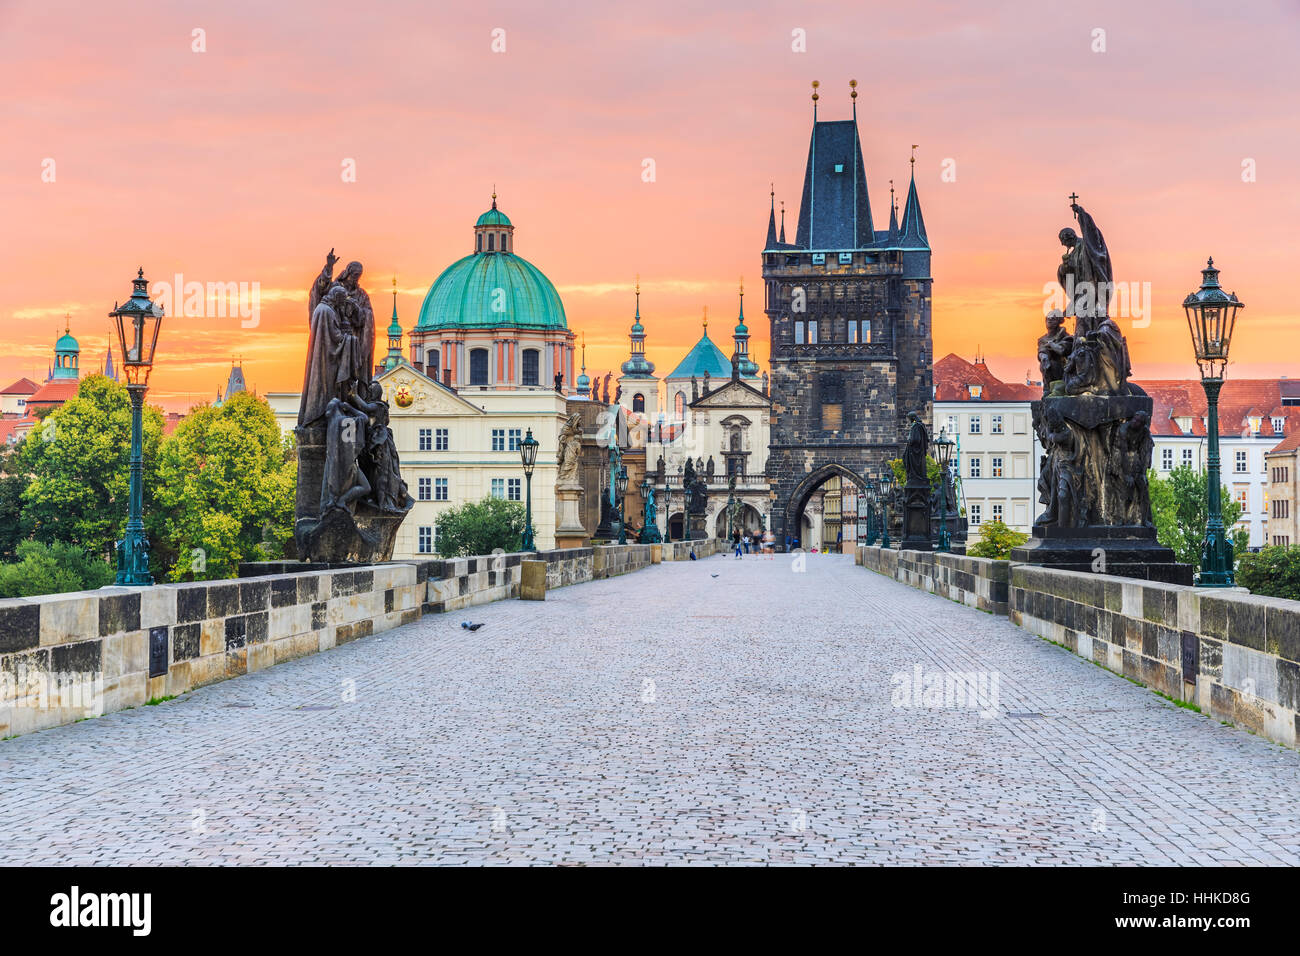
471	627
713	575
693	558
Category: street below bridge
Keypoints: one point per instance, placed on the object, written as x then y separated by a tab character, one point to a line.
795	709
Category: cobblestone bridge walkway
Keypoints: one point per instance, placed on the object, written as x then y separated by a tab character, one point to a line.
712	711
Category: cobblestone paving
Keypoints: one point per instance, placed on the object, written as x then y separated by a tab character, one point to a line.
716	711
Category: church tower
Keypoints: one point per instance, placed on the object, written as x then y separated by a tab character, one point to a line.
849	308
639	384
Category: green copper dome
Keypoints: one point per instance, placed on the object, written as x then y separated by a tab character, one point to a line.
493	217
492	290
66	343
704	357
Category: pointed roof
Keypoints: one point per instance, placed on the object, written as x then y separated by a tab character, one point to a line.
703	357
913	229
835	212
771	222
24	386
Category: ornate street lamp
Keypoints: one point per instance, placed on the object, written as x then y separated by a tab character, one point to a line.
620	485
138	322
943	446
1211	315
649	515
886	489
869	493
528	454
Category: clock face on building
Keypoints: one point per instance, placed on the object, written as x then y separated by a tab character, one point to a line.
403	396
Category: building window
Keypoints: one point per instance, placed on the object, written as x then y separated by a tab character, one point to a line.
530	367
426	439
975	467
498	487
1166	459
860	331
492	241
951	428
974	514
995	467
503	242
1243	499
638	402
1278	425
996	511
976	424
431	359
679	406
441	439
1281	508
478	366
426	539
995	425
426	489
513	488
1187	457
478	242
1241	462
440	489
498	439
805	332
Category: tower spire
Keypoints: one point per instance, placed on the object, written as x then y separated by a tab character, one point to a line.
913	228
771	220
783	222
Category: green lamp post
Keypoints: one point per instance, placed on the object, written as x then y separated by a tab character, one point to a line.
138	321
943	446
620	485
528	453
649	515
1211	315
869	492
886	489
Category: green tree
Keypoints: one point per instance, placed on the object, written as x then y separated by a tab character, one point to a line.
1178	505
226	486
13	528
900	471
996	541
51	569
78	460
480	527
1273	571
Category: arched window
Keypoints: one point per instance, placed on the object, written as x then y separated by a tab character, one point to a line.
478	242
638	402
503	242
431	363
531	364
478	365
735	439
679	405
492	241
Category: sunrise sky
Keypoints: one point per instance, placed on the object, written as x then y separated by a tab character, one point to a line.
225	165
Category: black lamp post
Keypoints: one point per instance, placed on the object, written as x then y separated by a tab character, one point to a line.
943	446
620	484
886	489
138	322
1211	315
528	454
869	492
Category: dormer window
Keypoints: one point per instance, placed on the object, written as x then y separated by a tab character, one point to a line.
1278	425
1254	424
1185	424
976	391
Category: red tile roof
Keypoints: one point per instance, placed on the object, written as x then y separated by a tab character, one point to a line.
24	386
1238	401
54	393
953	376
11	429
1289	443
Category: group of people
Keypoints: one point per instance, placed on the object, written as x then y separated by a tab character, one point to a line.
753	542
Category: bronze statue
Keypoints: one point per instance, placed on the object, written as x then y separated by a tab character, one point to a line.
1053	350
914	452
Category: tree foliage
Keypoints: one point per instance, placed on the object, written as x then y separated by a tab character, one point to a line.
13	527
50	568
1273	571
78	460
226	487
480	527
900	471
1179	507
996	541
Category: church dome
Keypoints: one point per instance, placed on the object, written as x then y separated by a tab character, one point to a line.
66	343
493	288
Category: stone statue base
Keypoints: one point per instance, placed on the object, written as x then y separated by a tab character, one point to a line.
650	535
366	537
1126	551
695	527
916	517
569	531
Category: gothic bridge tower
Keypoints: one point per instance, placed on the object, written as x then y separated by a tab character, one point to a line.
849	307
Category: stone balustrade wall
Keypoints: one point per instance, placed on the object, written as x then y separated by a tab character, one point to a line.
978	582
67	656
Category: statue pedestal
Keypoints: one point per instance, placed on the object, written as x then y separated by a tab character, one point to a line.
569	532
695	527
916	517
1127	551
